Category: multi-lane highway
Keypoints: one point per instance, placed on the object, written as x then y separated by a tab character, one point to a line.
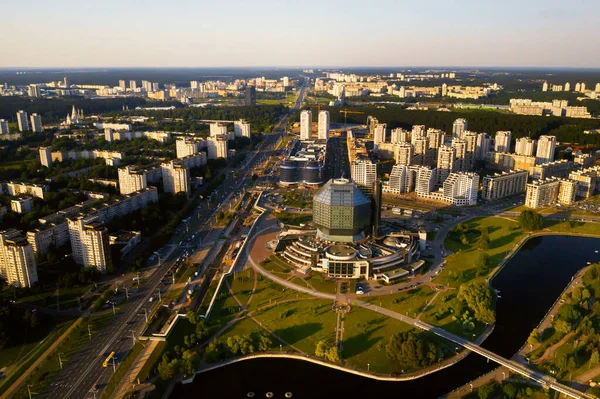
83	374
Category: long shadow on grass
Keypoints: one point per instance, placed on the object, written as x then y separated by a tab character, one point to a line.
360	342
504	240
297	333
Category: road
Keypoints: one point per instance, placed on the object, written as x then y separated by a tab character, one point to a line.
85	370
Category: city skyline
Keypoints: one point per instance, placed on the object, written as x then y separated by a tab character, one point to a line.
267	33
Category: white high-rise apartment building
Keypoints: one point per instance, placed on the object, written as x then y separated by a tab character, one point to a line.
484	143
122	84
425	180
17	260
567	191
398	182
461	188
400	135
502	141
90	242
4	127
241	128
175	177
186	146
470	139
131	180
132	85
545	149
445	162
541	193
404	154
525	146
305	124
46	156
459	126
33	90
418	131
216	147
364	172
420	146
218	129
23	121
379	133
36	123
435	137
462	161
323	125
286	81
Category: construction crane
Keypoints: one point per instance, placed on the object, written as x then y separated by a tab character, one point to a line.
346	112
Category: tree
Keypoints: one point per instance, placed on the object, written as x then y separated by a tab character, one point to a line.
595	357
534	337
333	354
166	369
478	297
191	317
487	391
321	349
562	326
531	220
510	391
414	350
264	342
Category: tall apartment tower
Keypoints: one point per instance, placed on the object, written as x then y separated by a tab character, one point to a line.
459	126
545	86
216	147
90	242
175	177
470	139
462	160
445	162
33	90
502	141
217	129
398	182
250	98
425	180
241	128
4	127
185	146
435	137
404	154
131	180
484	143
323	125
17	260
305	124
541	193
567	86
122	84
22	121
545	149
525	146
364	173
462	188
400	135
132	85
36	123
46	156
379	133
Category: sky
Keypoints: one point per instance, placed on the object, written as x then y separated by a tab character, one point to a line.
319	33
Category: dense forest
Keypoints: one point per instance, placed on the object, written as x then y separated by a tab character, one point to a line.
261	117
56	109
566	129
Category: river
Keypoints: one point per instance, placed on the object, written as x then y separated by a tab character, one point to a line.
528	284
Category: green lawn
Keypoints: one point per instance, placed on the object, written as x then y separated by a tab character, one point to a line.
242	285
461	266
148	367
407	303
363	329
67	298
321	283
301	323
572	227
68	349
268	292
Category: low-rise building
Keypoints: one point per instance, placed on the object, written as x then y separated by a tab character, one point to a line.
560	169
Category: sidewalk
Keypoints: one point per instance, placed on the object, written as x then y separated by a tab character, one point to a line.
129	379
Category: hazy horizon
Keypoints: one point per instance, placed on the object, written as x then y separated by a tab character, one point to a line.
333	34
